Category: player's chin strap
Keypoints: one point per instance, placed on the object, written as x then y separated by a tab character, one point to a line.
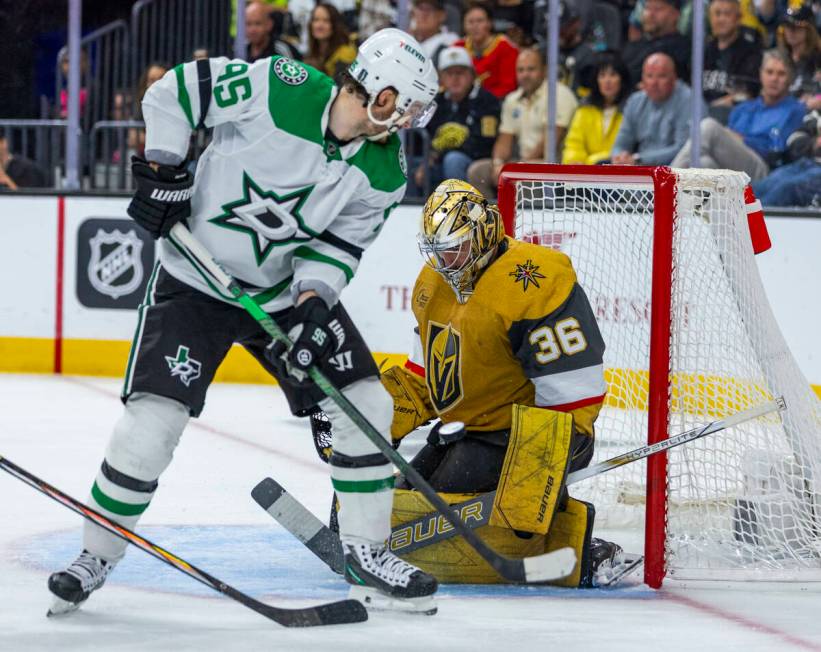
393	124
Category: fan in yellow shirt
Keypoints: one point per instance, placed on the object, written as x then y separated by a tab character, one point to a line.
595	124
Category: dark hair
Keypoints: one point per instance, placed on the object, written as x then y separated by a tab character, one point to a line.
344	79
476	4
604	61
318	53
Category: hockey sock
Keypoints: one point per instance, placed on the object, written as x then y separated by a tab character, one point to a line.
362	477
139	450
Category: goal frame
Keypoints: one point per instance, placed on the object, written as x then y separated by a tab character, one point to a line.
662	181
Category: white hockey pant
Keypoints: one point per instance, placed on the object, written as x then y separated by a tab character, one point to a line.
139	450
361	475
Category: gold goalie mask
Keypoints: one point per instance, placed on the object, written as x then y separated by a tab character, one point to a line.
459	234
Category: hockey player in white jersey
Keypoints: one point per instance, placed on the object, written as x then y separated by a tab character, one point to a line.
297	182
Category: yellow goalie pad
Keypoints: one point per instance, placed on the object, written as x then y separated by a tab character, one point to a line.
534	469
453	561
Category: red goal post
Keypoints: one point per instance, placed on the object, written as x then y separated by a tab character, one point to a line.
681	243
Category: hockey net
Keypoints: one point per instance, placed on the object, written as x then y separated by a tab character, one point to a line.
666	259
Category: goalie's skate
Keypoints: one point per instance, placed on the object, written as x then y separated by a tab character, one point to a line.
72	586
382	581
610	563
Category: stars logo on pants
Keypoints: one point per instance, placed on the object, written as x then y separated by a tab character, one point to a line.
183	366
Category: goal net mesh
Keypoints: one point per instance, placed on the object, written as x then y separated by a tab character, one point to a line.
741	503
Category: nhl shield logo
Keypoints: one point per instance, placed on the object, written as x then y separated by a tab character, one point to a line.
115	267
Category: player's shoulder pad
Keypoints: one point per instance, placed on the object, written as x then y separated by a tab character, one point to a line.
528	281
297	97
383	163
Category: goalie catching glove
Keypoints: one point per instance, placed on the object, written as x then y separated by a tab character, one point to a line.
162	198
309	329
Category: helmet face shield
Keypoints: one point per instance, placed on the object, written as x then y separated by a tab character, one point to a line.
447	257
420	114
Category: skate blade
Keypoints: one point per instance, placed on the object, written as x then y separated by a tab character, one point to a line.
615	575
375	600
60	607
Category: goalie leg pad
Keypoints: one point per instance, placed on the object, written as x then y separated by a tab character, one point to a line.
362	477
573	527
535	467
140	449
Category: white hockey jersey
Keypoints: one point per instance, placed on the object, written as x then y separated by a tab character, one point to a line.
275	201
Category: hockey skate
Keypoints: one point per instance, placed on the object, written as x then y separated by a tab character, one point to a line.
382	581
610	563
72	586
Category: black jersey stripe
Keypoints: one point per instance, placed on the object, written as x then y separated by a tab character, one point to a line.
335	241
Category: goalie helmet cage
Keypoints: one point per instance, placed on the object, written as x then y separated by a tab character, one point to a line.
666	259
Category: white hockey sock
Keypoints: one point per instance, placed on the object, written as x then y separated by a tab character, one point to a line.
139	450
362	477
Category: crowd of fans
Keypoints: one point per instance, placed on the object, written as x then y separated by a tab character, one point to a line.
623	95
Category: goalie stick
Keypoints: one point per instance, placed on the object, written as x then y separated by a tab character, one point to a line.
547	566
333	613
475	512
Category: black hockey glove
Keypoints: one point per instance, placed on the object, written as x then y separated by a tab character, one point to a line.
162	198
313	341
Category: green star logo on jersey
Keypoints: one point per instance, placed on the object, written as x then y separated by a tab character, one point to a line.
269	219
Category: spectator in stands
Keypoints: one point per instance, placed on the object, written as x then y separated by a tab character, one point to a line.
659	34
656	119
755	139
797	183
464	127
594	127
494	55
259	30
428	27
375	15
731	60
86	89
576	56
17	171
329	43
514	19
798	37
153	72
524	122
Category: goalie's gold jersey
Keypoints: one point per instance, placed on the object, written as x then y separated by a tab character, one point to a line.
527	335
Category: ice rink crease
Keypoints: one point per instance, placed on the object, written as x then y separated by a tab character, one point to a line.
57	427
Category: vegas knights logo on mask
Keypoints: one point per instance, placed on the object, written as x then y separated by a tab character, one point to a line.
443	371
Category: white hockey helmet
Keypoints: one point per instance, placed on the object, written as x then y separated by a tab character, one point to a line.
393	59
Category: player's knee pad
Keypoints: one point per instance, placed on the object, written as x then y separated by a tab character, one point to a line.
146	435
374	402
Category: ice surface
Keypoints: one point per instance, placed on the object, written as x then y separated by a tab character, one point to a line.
57	428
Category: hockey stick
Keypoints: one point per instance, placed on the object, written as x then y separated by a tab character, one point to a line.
548	566
333	613
475	512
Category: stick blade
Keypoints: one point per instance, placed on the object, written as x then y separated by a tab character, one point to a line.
550	566
342	612
300	522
